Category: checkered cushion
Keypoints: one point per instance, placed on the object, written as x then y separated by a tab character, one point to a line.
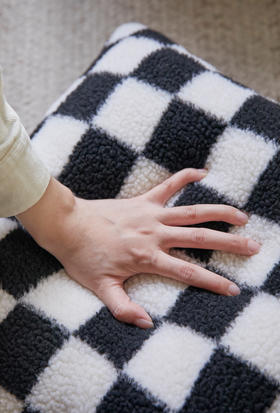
144	109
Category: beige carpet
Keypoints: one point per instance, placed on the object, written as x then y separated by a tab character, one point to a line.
46	44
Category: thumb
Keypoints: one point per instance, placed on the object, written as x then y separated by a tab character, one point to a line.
122	308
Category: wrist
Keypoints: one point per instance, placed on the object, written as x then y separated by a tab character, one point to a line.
46	219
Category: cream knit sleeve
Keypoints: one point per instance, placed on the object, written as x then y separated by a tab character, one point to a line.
23	176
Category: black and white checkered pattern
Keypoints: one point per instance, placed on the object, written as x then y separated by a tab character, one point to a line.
143	110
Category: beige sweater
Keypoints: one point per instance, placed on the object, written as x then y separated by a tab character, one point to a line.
23	176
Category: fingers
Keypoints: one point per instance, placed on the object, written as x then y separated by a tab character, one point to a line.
172	267
162	192
207	239
122	308
194	214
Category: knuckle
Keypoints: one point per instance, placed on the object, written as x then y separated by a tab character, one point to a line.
120	311
191	211
198	235
230	210
187	273
190	173
167	185
236	243
141	256
160	232
99	288
246	245
145	231
154	259
221	286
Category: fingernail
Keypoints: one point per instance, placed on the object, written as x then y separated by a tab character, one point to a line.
241	216
203	171
233	289
253	246
144	323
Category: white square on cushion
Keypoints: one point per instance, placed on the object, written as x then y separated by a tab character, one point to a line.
6	226
9	403
251	270
143	176
76	379
56	139
7	303
156	293
125	56
169	363
235	163
132	112
57	296
215	94
255	334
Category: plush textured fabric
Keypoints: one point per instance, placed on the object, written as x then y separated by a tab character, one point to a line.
144	109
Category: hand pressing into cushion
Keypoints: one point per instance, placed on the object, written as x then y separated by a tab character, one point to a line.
103	242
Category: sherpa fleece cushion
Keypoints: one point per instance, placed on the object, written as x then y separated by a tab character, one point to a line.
143	110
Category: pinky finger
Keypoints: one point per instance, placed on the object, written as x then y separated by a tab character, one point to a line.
192	274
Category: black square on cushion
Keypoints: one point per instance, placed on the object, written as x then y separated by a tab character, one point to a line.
228	384
27	342
272	283
261	116
126	397
24	263
207	312
168	69
84	101
98	166
183	137
118	341
264	199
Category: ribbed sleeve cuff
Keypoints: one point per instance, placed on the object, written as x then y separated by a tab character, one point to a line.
23	177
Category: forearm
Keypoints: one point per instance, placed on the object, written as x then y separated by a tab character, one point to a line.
23	175
46	219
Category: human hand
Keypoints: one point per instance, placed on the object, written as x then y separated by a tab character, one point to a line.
101	243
